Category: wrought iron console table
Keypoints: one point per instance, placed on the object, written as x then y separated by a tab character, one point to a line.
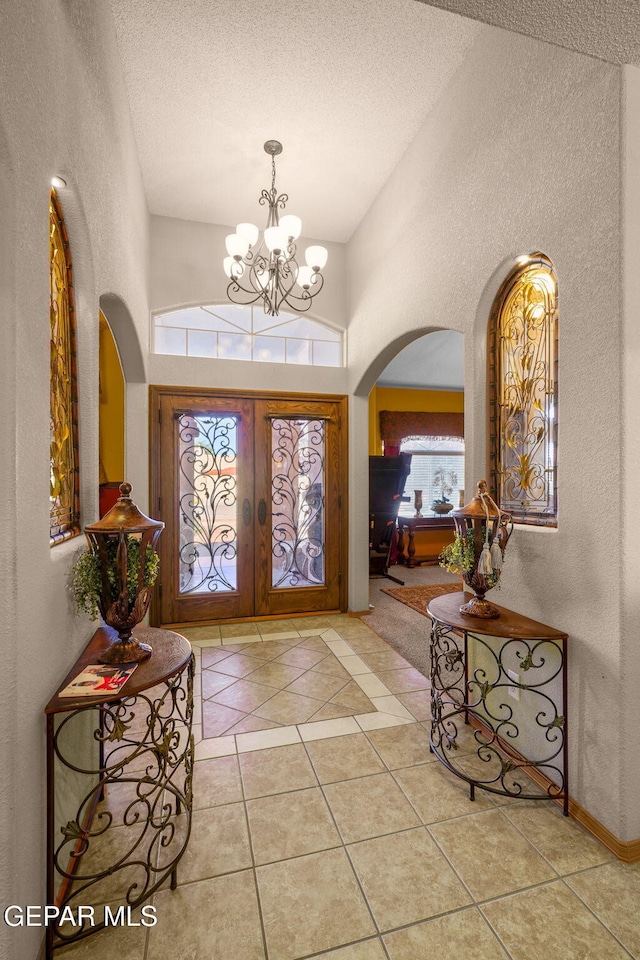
119	775
499	701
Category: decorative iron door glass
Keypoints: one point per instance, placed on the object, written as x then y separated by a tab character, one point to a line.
250	490
208	492
297	502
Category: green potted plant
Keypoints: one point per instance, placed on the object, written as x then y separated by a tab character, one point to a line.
86	578
115	576
444	481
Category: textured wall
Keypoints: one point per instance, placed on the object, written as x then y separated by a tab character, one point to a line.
63	111
520	154
630	553
186	266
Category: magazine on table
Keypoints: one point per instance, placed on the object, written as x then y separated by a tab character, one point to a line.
97	678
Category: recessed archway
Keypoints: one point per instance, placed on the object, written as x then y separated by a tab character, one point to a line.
413	377
111	430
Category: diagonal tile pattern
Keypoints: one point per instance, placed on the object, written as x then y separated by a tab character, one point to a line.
281	682
338	835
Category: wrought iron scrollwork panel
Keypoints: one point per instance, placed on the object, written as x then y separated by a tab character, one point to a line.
64	491
133	823
524	399
297	502
500	723
208	493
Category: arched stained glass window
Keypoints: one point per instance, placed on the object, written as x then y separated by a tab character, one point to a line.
523	349
64	489
230	332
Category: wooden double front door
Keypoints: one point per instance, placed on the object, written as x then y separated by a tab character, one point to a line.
251	490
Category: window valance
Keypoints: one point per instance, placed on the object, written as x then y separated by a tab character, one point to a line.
396	425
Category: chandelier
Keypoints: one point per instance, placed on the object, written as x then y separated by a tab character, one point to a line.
268	271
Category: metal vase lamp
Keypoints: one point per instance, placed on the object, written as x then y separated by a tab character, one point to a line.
485	531
125	596
417	502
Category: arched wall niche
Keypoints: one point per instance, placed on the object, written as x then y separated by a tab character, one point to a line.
522	342
112	411
126	336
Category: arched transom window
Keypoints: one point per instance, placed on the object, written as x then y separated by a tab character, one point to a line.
245	333
523	337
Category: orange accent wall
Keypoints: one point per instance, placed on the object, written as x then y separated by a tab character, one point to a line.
111	430
395	398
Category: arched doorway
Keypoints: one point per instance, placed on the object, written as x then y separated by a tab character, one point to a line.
111	417
416	419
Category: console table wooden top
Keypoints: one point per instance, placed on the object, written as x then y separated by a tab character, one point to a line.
435	522
510	625
171	653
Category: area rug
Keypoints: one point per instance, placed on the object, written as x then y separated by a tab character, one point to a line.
419	597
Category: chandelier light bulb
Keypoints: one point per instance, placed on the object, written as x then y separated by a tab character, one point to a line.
276	239
292	225
316	257
305	277
237	246
249	231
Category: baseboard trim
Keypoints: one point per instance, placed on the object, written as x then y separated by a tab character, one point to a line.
628	851
358	614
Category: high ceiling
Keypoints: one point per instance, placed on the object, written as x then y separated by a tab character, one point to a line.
607	29
344	84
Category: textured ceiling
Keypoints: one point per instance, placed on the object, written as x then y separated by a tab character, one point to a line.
608	29
432	362
344	84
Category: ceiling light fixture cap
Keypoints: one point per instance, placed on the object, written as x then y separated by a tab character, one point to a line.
273	147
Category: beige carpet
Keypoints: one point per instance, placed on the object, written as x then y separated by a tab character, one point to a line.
419	596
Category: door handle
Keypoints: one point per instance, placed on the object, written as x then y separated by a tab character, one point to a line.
246	512
262	512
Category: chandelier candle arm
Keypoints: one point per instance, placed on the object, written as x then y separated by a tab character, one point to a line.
267	270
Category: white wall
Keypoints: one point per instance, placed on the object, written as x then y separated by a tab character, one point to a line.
520	154
630	554
63	111
186	267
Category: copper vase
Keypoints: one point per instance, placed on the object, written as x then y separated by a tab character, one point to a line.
121	607
473	519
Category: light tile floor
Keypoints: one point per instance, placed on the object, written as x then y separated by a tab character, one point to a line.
343	838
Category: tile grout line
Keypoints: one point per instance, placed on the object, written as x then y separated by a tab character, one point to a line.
253	859
494	932
598	918
344	847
